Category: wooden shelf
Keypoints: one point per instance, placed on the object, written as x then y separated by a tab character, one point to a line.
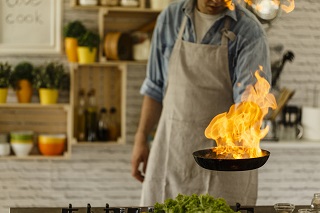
117	9
34	105
36	157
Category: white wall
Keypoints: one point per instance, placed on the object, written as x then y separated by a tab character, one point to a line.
98	175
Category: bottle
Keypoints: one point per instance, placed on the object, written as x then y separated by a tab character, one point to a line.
81	119
91	117
114	127
315	202
103	125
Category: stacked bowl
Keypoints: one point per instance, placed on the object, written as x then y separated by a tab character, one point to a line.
21	142
51	144
4	144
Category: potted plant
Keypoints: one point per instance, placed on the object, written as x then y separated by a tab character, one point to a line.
49	79
88	44
72	31
21	81
5	72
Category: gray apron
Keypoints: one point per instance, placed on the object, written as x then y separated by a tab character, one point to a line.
199	88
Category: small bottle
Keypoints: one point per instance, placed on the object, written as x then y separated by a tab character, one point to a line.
91	117
103	125
114	127
315	202
81	119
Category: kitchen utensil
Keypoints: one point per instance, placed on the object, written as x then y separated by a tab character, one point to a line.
277	67
284	207
282	100
118	46
51	144
21	149
129	3
310	121
207	159
21	142
272	134
4	149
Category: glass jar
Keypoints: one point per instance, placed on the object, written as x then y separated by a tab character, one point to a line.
284	207
315	202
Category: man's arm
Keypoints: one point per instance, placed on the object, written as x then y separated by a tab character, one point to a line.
150	114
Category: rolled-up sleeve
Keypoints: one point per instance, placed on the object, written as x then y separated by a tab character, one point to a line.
253	54
154	82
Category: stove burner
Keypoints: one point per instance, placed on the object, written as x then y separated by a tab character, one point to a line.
109	209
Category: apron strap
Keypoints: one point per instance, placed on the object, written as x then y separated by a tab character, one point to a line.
226	34
182	26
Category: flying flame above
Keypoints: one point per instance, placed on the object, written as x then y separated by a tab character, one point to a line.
237	133
267	4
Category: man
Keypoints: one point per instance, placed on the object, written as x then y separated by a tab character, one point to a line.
204	53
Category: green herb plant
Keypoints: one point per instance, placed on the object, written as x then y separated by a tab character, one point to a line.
89	39
74	29
51	76
22	71
5	73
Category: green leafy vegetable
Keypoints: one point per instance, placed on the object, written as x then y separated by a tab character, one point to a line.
193	204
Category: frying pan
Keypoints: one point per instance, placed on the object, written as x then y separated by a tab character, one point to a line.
207	159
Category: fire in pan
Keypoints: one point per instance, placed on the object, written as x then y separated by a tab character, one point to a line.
208	159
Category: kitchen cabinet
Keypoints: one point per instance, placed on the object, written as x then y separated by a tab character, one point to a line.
41	119
107	76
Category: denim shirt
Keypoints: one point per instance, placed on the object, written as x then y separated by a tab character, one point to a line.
246	53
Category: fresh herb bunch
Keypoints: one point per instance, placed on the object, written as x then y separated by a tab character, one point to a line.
5	73
22	71
89	39
193	204
74	29
51	76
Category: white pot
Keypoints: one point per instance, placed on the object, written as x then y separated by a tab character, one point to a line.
311	123
4	149
88	2
159	4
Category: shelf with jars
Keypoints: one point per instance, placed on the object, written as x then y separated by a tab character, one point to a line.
98	103
124	27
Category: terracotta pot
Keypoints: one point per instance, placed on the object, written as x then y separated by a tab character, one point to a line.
71	45
48	96
86	56
3	95
24	91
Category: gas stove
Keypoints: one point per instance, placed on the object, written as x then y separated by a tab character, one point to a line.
108	209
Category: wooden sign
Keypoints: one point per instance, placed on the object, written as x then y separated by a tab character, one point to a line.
30	27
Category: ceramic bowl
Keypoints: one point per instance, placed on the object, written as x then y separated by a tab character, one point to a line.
21	149
51	144
4	149
21	137
4	138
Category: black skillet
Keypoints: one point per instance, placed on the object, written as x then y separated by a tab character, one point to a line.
207	159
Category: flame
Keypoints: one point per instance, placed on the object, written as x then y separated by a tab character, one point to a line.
271	4
288	8
229	4
238	132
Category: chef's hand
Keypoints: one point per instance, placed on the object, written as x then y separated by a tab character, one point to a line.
140	156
